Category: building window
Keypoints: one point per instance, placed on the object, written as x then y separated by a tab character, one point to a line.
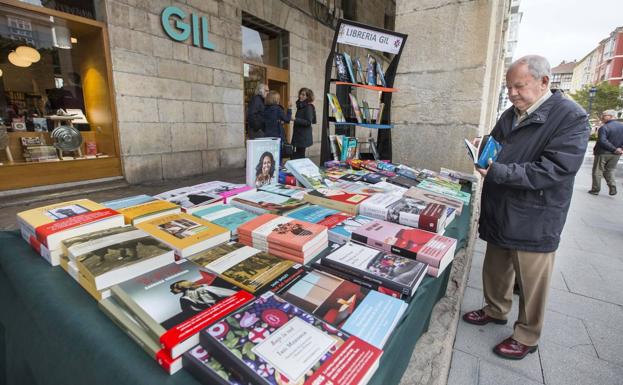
264	43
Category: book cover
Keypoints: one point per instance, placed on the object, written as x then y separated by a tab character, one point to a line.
405	241
349	68
432	197
294	192
224	215
379	117
360	75
207	370
48	225
336	109
246	267
261	202
377	206
178	300
341	233
122	203
395	272
223	189
263	161
489	149
306	172
40	124
287	232
349	148
312	213
111	256
357	310
274	342
340	68
356	110
148	210
402	181
436	188
336	199
380	73
371	71
185	233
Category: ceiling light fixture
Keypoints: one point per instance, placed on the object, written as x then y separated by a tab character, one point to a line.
18	61
74	40
28	53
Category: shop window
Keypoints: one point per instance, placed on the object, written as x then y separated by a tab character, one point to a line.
264	43
53	72
83	8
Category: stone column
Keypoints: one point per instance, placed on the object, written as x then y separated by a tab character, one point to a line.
448	78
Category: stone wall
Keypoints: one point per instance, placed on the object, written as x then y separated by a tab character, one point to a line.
448	77
179	107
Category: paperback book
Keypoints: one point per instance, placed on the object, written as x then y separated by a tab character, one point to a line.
367	314
185	233
340	68
487	149
175	302
317	214
450	193
336	109
262	202
202	192
289	191
207	370
108	257
355	104
336	199
140	208
246	267
341	232
361	77
263	157
394	272
224	215
432	197
349	68
306	172
273	342
44	228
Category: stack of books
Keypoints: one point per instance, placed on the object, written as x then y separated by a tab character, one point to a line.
185	233
336	199
224	215
104	258
284	237
44	228
320	215
140	208
271	341
435	250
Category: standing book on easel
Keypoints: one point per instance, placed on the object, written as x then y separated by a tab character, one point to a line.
263	161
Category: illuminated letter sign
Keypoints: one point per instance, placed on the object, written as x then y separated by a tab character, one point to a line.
180	30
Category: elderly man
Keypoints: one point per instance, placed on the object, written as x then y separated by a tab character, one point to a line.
607	150
525	199
255	112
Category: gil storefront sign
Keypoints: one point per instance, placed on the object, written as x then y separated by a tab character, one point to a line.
178	28
368	38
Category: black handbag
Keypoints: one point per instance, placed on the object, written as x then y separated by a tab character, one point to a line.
286	150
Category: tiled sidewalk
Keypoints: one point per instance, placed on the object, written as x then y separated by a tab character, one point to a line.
582	340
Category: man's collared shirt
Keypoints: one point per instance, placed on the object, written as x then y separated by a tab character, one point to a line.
519	117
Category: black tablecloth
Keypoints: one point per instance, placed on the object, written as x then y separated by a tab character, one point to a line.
52	332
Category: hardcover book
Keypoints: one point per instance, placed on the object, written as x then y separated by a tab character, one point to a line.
340	68
246	267
262	202
126	322
273	342
185	233
263	157
357	310
394	272
45	227
111	256
336	199
306	172
423	246
140	208
173	303
224	215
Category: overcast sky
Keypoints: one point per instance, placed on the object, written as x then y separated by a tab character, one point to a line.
565	29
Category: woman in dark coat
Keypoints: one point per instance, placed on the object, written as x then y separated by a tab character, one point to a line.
274	117
304	118
255	112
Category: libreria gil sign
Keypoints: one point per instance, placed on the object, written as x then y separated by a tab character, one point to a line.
180	30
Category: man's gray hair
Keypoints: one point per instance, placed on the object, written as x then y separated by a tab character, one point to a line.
612	113
259	90
538	66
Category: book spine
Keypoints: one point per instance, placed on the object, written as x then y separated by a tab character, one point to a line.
229	360
357	277
404	252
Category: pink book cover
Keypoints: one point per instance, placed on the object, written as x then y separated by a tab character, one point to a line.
228	194
406	241
287	232
292	255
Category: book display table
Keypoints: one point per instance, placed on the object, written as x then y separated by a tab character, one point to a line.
52	332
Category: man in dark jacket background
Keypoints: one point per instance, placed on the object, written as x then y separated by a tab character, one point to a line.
255	112
608	150
525	199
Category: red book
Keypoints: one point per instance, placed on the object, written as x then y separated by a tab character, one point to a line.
336	199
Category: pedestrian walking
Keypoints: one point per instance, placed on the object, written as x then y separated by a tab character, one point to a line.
607	150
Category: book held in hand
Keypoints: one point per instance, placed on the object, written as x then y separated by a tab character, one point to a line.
273	342
487	149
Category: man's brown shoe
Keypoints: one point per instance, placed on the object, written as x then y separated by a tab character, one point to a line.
613	190
513	350
593	192
479	317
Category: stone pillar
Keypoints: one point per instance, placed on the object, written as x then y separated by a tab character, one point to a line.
448	79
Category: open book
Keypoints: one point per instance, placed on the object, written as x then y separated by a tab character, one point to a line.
487	149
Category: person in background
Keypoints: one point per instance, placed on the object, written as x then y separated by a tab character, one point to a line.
607	150
303	120
526	195
255	112
274	117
